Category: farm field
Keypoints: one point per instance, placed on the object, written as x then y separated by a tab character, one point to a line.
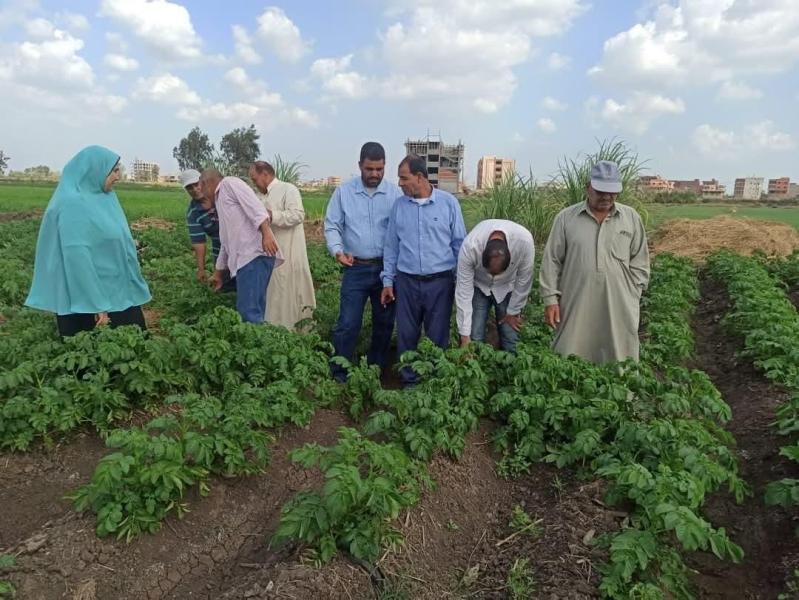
212	459
660	213
138	201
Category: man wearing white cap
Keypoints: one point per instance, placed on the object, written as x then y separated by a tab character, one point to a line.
594	269
202	220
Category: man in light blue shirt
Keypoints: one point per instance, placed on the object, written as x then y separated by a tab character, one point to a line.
355	229
424	236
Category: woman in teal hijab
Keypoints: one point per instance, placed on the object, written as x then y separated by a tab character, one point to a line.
86	269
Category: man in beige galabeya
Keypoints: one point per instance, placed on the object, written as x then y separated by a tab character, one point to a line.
290	297
594	269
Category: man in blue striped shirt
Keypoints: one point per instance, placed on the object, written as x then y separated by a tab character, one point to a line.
355	230
201	219
425	233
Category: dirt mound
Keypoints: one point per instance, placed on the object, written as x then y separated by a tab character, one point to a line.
696	239
151	222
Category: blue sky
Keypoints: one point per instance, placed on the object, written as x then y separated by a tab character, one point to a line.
701	88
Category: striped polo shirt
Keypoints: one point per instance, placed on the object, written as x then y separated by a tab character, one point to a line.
203	222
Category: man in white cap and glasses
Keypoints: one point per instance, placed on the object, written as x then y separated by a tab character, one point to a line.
201	219
594	269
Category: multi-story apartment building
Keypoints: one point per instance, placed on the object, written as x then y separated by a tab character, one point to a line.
492	171
655	183
779	187
748	188
688	185
142	170
444	161
713	190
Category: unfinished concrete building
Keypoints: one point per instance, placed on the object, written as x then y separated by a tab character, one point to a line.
444	161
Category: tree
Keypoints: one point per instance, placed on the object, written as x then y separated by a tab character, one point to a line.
240	149
194	151
3	162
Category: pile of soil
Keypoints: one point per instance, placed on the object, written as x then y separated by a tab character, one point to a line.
155	223
696	239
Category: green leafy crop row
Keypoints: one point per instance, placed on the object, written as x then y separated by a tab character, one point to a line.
769	324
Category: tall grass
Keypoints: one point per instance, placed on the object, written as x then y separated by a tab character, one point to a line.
521	199
288	171
525	201
573	175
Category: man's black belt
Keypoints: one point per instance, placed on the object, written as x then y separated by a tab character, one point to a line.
377	260
430	277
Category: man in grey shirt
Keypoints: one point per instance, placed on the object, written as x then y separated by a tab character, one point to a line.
594	269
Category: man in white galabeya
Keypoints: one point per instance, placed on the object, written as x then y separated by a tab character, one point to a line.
594	269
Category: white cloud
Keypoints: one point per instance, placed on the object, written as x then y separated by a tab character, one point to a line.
732	90
546	125
720	144
166	89
116	42
281	35
39	28
164	26
463	52
556	62
703	42
517	137
50	77
763	135
119	62
303	117
637	113
238	111
74	22
713	142
550	103
51	63
244	46
337	79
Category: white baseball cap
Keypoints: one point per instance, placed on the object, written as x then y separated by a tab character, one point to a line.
189	177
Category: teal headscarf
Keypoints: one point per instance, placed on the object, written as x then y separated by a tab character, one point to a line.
85	256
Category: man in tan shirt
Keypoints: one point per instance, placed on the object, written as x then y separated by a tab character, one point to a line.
594	269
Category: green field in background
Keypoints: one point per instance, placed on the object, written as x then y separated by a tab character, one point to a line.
660	212
165	202
169	202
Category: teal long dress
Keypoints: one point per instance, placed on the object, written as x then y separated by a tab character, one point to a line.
86	259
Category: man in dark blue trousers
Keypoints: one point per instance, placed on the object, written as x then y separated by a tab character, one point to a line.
424	236
355	230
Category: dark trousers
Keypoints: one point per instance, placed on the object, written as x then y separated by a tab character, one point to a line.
422	302
362	282
69	325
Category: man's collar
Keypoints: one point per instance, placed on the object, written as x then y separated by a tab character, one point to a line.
271	184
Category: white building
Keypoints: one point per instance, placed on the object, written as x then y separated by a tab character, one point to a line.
748	188
142	170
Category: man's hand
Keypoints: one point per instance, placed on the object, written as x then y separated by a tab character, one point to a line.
216	280
202	276
552	315
465	341
101	319
270	243
345	259
515	321
387	296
